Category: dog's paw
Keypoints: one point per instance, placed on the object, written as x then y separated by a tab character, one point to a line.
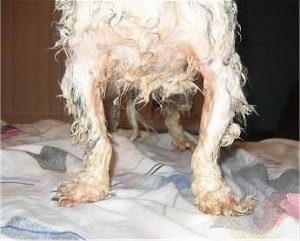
183	145
227	204
72	194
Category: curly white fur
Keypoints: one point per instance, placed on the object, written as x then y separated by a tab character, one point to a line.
154	48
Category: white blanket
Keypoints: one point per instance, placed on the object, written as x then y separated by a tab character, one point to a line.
151	187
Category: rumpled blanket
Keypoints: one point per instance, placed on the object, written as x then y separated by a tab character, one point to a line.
151	189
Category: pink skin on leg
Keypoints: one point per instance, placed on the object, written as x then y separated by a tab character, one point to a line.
212	195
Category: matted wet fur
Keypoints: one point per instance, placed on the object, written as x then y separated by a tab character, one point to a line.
152	49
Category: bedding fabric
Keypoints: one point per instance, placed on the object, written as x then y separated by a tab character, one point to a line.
151	197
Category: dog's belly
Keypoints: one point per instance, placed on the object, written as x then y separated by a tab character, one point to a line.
151	51
167	69
142	49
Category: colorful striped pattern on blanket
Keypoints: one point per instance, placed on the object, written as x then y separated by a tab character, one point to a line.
151	195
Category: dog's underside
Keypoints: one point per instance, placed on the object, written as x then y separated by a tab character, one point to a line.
152	50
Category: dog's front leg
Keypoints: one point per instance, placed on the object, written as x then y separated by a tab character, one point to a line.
92	183
212	195
83	88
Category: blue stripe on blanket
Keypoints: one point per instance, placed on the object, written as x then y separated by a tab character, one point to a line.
22	228
17	182
181	181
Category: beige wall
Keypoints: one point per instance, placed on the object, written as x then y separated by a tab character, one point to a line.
30	75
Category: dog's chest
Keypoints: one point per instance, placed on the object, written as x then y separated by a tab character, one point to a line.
162	67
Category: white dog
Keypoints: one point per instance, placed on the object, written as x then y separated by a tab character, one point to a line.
153	49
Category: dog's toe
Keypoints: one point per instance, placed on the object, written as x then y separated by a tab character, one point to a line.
183	145
245	206
73	194
228	204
